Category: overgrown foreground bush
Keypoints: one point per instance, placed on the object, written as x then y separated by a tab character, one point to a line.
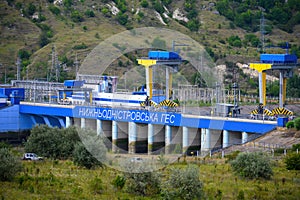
144	181
183	184
252	165
52	142
297	123
292	161
90	151
9	165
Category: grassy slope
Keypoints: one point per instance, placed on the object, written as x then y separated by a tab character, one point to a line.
19	32
63	180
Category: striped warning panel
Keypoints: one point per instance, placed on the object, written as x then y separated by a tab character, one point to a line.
268	112
152	103
254	112
168	103
281	111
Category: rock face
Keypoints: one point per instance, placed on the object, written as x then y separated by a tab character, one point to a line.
177	14
113	9
254	73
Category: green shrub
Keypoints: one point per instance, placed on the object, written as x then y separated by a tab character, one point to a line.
96	185
52	142
252	165
297	123
82	157
290	124
76	16
89	13
55	10
119	181
183	184
232	156
5	145
295	147
9	165
292	161
140	180
144	3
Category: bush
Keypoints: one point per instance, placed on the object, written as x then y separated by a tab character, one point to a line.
9	165
91	151
96	185
290	124
297	123
144	3
183	184
52	142
230	157
252	165
82	157
55	10
292	161
119	181
143	182
295	147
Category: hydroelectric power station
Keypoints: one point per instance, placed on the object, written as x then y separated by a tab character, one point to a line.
144	121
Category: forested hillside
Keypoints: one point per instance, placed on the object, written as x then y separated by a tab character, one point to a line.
230	30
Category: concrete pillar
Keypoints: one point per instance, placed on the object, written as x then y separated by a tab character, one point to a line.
168	137
225	138
114	136
99	127
185	139
244	137
205	139
281	89
82	122
68	122
150	138
132	136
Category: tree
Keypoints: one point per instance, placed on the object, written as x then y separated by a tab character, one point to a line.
52	142
292	161
122	18
144	3
183	184
55	10
9	165
252	165
297	123
30	9
140	178
91	151
76	16
89	13
82	157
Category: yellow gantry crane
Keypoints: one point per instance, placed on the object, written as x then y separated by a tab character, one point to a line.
169	59
285	63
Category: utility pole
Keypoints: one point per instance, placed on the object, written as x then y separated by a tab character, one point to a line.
262	33
76	65
55	67
18	63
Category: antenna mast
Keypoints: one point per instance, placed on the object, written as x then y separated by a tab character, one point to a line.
262	32
18	63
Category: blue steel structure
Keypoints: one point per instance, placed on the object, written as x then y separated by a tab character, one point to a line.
22	116
29	115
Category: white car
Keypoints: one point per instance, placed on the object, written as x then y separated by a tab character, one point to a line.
136	159
31	156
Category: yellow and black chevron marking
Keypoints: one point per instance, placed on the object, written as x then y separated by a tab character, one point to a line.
152	103
254	112
268	112
168	103
281	111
